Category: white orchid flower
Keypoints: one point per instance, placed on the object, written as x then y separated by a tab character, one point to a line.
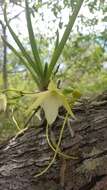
50	101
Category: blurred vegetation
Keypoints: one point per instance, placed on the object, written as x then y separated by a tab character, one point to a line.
83	64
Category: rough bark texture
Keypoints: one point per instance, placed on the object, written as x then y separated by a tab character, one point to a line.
23	157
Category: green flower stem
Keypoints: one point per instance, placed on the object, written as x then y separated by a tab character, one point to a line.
17	91
56	151
59	151
15	122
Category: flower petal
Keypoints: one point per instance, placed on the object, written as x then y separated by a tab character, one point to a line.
52	86
40	98
50	106
66	105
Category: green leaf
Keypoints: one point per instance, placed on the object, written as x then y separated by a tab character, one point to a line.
67	91
45	69
57	40
65	36
24	52
22	60
32	40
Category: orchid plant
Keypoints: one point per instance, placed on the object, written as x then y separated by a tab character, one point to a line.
42	75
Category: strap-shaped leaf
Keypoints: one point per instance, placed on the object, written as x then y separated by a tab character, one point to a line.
57	39
32	39
22	60
45	69
24	52
65	36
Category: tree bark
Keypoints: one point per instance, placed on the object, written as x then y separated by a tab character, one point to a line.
23	157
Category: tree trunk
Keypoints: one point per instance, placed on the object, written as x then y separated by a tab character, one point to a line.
5	77
23	157
5	80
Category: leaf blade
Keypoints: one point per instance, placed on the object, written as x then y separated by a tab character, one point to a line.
32	39
65	36
22	59
19	44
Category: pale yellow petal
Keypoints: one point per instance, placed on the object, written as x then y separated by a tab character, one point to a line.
50	106
66	104
52	86
40	98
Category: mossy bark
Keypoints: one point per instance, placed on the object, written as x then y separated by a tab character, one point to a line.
23	157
